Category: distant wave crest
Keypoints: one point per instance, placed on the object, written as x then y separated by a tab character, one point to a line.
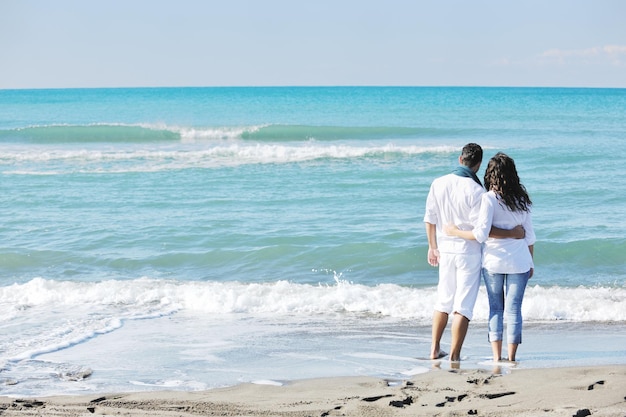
91	133
140	133
143	149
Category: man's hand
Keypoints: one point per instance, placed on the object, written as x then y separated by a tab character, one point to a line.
433	257
518	232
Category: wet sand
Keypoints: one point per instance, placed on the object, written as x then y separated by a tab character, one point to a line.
577	391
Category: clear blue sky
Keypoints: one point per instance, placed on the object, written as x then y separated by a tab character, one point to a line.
133	43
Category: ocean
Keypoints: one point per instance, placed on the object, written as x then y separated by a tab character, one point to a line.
194	238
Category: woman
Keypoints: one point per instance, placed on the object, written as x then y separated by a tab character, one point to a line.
507	263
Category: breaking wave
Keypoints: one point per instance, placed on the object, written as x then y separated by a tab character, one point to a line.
141	133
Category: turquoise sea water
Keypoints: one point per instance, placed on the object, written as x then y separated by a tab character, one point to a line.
199	237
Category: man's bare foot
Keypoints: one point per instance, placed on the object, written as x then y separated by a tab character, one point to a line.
438	355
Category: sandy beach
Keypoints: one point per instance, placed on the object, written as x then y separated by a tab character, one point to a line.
579	391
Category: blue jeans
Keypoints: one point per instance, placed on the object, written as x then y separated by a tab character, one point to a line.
506	292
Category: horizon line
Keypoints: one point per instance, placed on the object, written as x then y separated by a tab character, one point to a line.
305	86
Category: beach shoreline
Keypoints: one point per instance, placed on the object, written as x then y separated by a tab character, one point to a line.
169	243
563	391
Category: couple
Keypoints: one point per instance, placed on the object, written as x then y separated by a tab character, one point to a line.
460	216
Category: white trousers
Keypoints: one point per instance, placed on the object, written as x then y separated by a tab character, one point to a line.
459	280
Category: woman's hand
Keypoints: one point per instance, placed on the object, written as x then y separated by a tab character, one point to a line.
451	229
532	272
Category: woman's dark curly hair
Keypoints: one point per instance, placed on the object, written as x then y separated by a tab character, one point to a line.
501	177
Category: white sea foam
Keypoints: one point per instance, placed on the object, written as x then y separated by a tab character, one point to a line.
45	160
268	382
79	311
191	135
145	298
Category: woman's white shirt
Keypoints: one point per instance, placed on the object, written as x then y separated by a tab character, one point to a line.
504	256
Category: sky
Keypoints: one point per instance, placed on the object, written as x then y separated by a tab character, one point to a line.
155	43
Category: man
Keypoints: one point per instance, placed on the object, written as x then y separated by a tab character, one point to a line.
455	199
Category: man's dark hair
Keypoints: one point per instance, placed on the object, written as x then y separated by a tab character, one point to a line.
472	155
